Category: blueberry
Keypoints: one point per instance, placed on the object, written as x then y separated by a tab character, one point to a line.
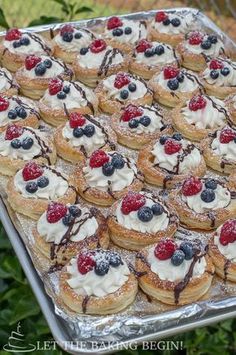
47	63
117	32
175	22
177	136
214	74
67	219
173	84
115	259
124	94
43	181
89	130
211	184
128	30
163	139
145	214
188	250
102	267
159	50
133	123
12	115
117	161
83	51
213	39
180	77
78	132
75	211
31	187
16	143
40	69
67	36
16	44
78	35
225	71
206	44
177	258
66	89
166	22
61	95
145	121
27	143
21	112
132	87
208	195
24	41
157	209
108	169
149	52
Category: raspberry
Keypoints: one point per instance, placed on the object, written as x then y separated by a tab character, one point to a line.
13	34
170	72
114	22
55	212
66	28
160	16
85	262
228	232
55	85
98	159
191	186
121	80
197	102
31	171
132	202
4	104
216	64
227	135
76	120
31	61
131	111
143	45
165	249
171	146
195	38
13	131
98	45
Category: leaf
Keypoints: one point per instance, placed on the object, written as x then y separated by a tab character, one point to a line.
24	308
3	21
44	20
4	241
9	268
61	2
83	9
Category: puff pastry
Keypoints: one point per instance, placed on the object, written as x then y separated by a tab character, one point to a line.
8	84
230	103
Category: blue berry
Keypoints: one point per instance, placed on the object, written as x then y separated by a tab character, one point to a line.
117	161
61	95
145	214
67	36
83	51
166	22
27	143
206	44
102	267
78	132
115	259
24	41
211	184
117	32
40	69
214	74
89	130
12	115
159	50
132	87
177	136
108	169
225	71
66	89
173	84
75	211
149	52
47	63
16	143
188	250
208	195
67	219
78	35
16	44
128	30
180	77
133	123
145	121
21	112
157	209
31	187
213	39
177	258
163	139
43	181
175	22
124	94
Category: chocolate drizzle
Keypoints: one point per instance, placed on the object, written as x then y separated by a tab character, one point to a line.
218	107
143	259
135	272
31	110
43	45
83	94
141	23
193	78
166	179
107	61
212	217
98	124
226	267
45	150
10	81
84	304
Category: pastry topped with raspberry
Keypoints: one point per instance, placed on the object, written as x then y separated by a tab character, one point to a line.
8	85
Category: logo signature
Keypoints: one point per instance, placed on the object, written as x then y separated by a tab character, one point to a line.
16	342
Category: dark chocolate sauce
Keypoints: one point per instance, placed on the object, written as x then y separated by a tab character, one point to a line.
84	304
43	45
9	80
45	150
83	94
31	110
143	259
212	217
226	267
135	272
166	179
107	61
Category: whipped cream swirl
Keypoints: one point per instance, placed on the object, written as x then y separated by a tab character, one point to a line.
5	80
37	45
189	84
77	43
186	21
224	150
57	68
138	31
92	60
168	56
222	80
229	250
215	49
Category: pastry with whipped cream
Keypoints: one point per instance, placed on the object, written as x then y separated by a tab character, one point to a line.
107	176
97	282
172	86
17	45
20	144
36	73
197	46
200	116
124	33
169	160
175	272
230	103
8	84
122	89
77	139
222	249
31	188
97	61
63	97
136	126
63	230
204	203
141	219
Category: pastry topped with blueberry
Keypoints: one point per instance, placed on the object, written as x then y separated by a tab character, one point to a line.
63	230
82	134
173	86
169	159
122	89
204	203
123	33
63	97
106	177
141	219
149	57
175	272
135	125
8	85
33	186
197	46
16	45
36	73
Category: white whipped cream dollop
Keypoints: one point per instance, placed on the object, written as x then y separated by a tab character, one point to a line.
165	58
186	86
185	23
214	50
138	32
229	250
56	69
77	43
92	60
91	284
222	80
37	45
5	79
224	150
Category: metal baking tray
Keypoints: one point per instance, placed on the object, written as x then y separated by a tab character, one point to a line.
108	332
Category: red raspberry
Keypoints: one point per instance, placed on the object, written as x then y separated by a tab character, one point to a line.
55	212
13	34
54	86
98	45
132	202
85	262
98	159
31	61
170	72
142	45
121	80
66	28
165	249
13	131
171	146
114	22
227	135
131	111
31	171
216	64
76	120
195	38
4	104
228	232
191	186
161	16
197	102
